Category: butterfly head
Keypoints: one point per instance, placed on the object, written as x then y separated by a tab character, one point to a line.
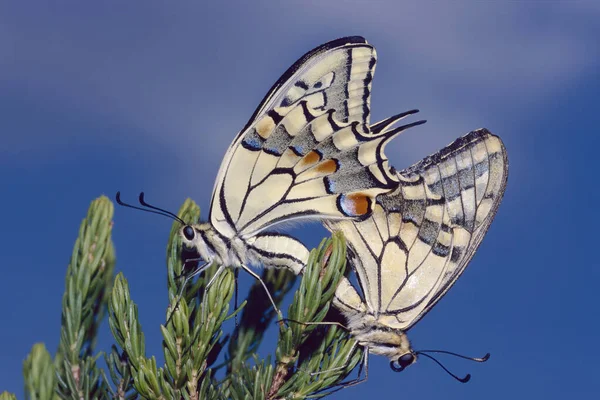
202	239
403	361
394	344
383	339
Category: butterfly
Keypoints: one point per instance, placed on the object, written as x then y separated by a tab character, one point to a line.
306	153
418	241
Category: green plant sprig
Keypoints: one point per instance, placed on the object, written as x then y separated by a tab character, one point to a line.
312	358
84	303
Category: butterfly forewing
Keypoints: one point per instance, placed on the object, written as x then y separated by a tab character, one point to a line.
307	151
421	236
334	76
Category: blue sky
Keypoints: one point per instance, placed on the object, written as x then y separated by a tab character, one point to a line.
97	98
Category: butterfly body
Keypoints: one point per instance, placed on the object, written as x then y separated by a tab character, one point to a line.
378	335
264	249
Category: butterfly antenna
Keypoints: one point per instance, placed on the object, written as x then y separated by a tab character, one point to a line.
476	359
152	209
467	378
167	213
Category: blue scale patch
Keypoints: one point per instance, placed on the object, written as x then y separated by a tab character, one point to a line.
253	141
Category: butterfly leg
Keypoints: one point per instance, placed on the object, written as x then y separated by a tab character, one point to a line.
317	323
197	272
353	382
248	270
235	301
358	380
214	277
344	365
350	353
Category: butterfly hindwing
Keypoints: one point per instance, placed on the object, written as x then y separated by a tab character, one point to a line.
481	167
421	237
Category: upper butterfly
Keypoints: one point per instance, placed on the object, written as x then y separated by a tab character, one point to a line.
306	153
418	241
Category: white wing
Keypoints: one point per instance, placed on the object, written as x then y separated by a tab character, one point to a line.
307	151
421	237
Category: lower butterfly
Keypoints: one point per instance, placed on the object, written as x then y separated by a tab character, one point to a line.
306	153
417	242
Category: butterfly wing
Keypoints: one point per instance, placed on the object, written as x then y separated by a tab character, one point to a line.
307	151
336	75
421	237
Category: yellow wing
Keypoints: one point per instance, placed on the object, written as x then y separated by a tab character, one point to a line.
421	236
307	151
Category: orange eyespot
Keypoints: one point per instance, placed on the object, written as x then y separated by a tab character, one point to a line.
355	204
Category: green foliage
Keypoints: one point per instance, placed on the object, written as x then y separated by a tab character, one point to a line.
310	358
39	374
87	285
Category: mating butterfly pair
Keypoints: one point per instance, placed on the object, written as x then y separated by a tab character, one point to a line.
310	152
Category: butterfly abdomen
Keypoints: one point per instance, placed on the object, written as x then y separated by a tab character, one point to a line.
277	250
378	337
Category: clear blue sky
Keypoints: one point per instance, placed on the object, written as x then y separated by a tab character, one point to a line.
96	98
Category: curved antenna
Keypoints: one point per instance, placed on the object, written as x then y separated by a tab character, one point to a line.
143	202
162	212
476	359
466	379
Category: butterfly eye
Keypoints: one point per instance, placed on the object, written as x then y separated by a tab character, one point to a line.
402	362
188	232
406	359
